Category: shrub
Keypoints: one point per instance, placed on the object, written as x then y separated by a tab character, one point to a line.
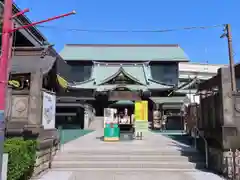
21	157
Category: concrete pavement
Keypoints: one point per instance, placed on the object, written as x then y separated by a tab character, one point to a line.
80	159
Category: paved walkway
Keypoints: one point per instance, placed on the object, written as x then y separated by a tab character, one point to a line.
151	141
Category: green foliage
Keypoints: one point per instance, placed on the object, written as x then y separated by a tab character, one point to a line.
21	157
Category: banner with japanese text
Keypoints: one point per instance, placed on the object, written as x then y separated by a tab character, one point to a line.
141	111
141	116
48	110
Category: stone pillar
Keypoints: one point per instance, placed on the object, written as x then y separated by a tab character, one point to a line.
35	99
48	139
86	116
230	137
228	121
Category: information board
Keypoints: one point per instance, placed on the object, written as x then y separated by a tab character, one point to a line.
109	116
48	110
141	111
141	117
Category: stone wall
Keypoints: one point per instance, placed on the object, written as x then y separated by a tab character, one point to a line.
219	119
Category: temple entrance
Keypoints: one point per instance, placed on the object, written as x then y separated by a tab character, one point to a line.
123	100
122	105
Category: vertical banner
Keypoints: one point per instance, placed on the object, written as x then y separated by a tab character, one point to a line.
48	110
141	116
141	111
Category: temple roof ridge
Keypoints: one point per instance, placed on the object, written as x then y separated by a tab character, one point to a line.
103	72
122	70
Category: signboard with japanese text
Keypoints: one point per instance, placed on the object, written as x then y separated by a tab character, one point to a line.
123	95
141	117
109	116
141	111
48	110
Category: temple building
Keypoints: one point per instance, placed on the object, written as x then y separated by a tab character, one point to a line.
105	75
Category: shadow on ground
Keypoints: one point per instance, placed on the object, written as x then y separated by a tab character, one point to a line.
185	143
67	135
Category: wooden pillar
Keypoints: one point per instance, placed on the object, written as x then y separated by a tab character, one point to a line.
150	113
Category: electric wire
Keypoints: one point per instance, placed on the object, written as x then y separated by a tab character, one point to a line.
128	31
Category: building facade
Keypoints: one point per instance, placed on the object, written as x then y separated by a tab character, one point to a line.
117	75
191	74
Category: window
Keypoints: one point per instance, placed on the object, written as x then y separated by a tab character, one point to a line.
81	72
165	72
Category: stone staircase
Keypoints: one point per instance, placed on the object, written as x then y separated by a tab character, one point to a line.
154	157
154	153
137	160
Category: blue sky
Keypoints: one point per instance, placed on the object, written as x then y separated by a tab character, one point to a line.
200	45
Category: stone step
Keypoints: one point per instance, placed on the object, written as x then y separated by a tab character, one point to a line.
127	157
127	164
185	152
60	175
125	170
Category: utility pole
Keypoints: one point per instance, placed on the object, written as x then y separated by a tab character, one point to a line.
7	32
231	60
228	34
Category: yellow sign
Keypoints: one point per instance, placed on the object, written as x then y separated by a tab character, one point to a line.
141	111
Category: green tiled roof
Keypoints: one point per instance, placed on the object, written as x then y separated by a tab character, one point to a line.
123	53
111	87
89	84
102	73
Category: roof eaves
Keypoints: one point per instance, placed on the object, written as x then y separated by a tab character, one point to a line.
84	82
28	60
144	71
120	70
23	20
161	83
188	84
123	45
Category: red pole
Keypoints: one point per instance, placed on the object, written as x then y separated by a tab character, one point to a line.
43	21
5	61
5	53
